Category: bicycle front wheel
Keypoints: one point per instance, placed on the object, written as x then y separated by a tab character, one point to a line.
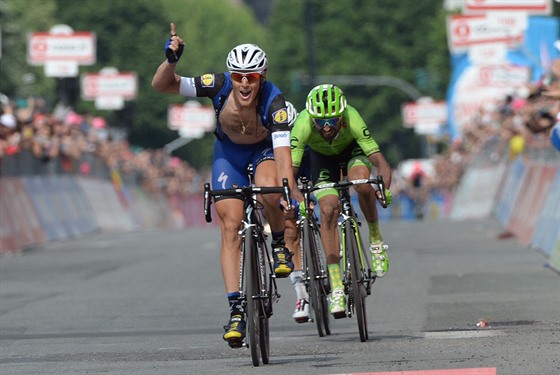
264	302
315	274
252	293
359	291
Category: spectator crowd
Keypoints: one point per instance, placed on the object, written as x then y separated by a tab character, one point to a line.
519	124
34	140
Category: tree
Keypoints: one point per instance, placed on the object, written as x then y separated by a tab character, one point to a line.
17	79
359	37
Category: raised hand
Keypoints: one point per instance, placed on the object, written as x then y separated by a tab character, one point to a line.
174	46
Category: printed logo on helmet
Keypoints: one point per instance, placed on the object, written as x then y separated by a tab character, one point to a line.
280	116
207	80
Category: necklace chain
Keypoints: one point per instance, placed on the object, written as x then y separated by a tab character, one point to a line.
243	126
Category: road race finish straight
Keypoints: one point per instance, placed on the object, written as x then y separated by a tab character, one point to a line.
466	371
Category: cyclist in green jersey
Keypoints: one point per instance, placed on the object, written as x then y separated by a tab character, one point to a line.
336	133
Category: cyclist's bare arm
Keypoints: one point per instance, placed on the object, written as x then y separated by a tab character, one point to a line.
383	168
165	80
283	158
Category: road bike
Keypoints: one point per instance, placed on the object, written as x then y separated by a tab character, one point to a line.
315	271
257	282
357	276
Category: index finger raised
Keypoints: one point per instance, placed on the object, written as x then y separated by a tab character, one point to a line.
172	29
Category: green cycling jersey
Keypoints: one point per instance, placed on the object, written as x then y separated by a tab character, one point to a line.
353	129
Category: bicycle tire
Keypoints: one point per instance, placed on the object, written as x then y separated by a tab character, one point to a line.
324	281
252	290
263	303
317	273
310	264
358	288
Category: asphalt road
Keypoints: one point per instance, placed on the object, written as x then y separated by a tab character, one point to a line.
153	303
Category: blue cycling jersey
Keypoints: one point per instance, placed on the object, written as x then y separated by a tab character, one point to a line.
231	160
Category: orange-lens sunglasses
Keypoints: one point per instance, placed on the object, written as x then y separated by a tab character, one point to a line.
251	77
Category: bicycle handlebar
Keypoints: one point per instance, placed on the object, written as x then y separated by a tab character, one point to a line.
244	192
346	184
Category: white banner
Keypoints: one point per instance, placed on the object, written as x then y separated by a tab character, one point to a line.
61	69
415	113
44	47
502	75
109	102
491	53
465	31
191	118
123	84
483	88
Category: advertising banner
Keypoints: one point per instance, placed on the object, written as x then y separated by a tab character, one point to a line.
541	7
45	47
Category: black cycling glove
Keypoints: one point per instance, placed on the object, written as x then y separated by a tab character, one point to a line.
173	56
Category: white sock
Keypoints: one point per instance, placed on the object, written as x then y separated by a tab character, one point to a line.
297	281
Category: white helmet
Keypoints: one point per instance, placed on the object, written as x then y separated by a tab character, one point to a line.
292	114
247	58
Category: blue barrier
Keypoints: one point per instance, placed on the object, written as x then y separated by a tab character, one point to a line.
510	191
547	230
39	191
77	207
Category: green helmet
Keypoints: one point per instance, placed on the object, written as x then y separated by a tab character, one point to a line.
325	101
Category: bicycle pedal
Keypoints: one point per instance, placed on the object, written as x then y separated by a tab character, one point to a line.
236	343
339	315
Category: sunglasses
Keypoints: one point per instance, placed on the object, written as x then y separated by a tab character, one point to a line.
251	77
330	122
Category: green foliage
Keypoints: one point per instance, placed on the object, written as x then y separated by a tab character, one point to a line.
19	18
303	39
358	37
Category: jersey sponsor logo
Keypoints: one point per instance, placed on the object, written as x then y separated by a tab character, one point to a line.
278	135
207	80
324	175
223	178
280	116
280	139
357	151
293	142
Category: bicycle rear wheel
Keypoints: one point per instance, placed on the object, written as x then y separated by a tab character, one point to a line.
252	292
359	291
316	273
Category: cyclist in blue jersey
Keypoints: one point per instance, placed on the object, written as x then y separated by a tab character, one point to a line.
252	127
